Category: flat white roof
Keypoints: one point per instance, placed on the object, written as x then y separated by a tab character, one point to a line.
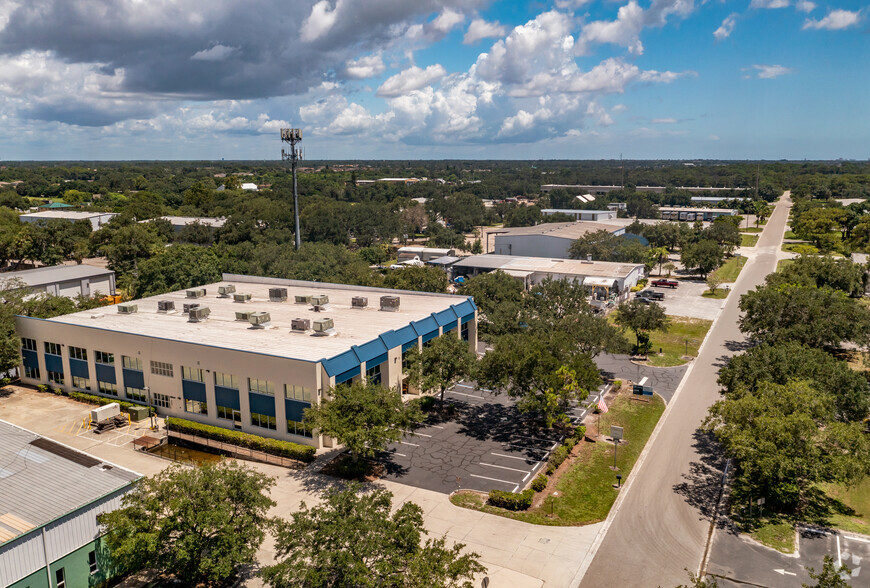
696	210
353	326
570	230
67	214
574	267
189	220
55	273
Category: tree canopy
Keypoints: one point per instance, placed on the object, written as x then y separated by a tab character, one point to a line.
442	363
642	318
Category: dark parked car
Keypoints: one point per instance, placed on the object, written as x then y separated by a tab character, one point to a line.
651	294
643	299
664	283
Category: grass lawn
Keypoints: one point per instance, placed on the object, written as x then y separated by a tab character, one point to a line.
673	343
775	533
751	230
721	294
748	240
782	263
790	235
731	269
854	514
586	491
800	248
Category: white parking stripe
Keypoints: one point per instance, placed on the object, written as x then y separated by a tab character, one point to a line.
527	476
411	444
400	454
850	538
436	427
492	465
510	456
415	433
464	394
492	479
464	386
535	449
839	558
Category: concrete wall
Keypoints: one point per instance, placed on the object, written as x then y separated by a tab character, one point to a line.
532	246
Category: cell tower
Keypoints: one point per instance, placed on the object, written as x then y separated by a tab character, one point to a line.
293	136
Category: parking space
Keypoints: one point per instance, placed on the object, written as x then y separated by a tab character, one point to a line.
686	300
488	444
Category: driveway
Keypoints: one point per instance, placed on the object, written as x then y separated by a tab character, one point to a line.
664	381
686	300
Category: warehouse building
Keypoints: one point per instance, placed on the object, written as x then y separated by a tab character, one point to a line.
545	240
249	353
582	215
179	222
688	214
66	280
50	496
97	219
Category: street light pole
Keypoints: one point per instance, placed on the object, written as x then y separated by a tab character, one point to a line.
150	407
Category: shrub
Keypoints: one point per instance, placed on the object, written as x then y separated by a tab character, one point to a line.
539	483
617	384
580	432
99	400
42	388
570	442
424	403
559	456
304	453
512	500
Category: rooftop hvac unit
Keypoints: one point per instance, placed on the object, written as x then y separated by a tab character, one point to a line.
300	324
200	313
359	302
390	303
243	316
196	293
225	291
303	300
320	300
128	308
277	294
165	305
323	325
188	306
242	297
259	319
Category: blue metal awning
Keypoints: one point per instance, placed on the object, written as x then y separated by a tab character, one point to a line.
367	351
446	317
341	363
403	336
427	325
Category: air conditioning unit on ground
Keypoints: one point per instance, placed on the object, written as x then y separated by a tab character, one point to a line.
196	293
165	305
200	313
128	308
243	316
359	302
277	294
300	324
225	291
242	297
188	306
323	325
320	300
390	303
259	319
303	300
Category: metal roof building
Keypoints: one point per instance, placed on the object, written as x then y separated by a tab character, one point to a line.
97	219
547	239
66	280
50	496
582	215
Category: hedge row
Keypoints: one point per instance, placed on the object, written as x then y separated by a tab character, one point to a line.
288	449
99	400
539	483
512	500
564	450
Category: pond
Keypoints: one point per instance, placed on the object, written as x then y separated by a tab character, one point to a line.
184	454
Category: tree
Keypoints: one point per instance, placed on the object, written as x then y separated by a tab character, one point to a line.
365	417
197	524
177	267
669	267
657	256
126	245
829	576
785	440
352	539
417	278
703	256
443	362
642	318
762	211
10	342
821	271
499	298
713	282
725	233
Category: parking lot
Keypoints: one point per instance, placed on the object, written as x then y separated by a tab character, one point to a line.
486	445
686	300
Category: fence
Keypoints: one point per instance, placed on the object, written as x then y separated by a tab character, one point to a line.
236	451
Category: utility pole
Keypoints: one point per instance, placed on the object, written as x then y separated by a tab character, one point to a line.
293	136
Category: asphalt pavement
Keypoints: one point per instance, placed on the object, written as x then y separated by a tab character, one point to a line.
659	526
664	380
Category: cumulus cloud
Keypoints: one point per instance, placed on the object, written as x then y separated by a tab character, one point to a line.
768	3
630	21
768	72
411	79
835	20
322	18
664	121
481	29
367	66
805	6
726	28
217	53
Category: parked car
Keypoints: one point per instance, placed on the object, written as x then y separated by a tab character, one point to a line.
651	294
664	283
643	299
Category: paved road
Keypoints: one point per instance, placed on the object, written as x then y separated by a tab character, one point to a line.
663	380
660	525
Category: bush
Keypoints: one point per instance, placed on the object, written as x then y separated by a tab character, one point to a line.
580	432
539	483
424	403
288	449
617	384
559	456
512	500
42	388
99	400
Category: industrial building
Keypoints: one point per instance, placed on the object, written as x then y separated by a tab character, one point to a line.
601	190
97	219
50	496
423	253
582	215
688	214
545	240
604	278
66	280
249	353
179	222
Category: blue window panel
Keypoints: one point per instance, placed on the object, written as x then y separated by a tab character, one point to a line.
341	363
106	373
31	359
294	409
79	368
376	361
53	363
467	318
134	379
426	325
228	397
345	376
465	308
445	317
403	336
193	390
409	345
262	403
367	351
429	336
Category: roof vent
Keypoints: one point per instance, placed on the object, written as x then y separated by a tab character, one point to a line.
242	297
259	319
303	299
200	313
390	303
243	316
196	293
300	324
188	306
323	325
165	305
128	308
225	291
277	294
320	300
359	302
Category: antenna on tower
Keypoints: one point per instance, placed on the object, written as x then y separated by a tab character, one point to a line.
293	136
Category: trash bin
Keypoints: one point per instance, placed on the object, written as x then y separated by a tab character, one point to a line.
138	413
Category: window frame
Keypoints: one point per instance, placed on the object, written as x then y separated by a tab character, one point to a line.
31	372
55	377
92	562
135	394
48	345
297	425
223	376
129	362
269	387
28	344
195	406
79	353
190	374
300	393
100	356
60	578
161	400
113	391
162	368
78	379
258	419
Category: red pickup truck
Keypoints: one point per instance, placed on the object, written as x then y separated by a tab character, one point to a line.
663	283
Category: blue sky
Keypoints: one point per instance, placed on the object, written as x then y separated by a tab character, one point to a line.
433	79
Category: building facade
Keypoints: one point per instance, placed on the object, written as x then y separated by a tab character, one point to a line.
225	371
66	280
546	240
97	219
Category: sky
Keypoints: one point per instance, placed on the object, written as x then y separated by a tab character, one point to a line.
435	79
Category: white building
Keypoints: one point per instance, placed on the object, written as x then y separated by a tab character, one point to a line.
66	280
582	215
250	186
547	239
97	219
179	222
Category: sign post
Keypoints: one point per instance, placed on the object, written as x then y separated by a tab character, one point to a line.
616	435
